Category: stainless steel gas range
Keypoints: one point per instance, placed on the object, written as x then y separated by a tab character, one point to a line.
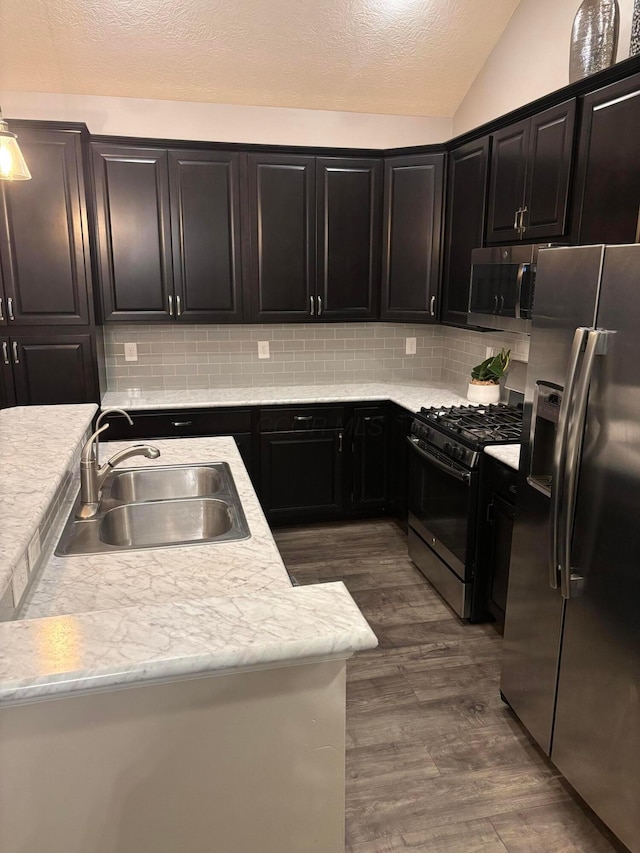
445	471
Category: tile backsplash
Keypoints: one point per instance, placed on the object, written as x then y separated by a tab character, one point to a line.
223	356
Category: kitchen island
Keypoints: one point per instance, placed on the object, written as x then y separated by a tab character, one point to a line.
148	698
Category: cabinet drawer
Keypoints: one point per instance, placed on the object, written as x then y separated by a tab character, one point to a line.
282	419
178	424
504	481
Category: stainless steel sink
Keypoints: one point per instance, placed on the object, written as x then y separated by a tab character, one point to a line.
159	507
166	483
159	523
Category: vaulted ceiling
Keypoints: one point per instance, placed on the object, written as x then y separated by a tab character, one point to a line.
401	57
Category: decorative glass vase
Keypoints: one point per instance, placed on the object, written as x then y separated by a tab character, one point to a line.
594	38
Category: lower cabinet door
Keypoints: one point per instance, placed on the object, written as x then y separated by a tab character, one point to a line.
7	393
301	474
370	459
502	515
53	369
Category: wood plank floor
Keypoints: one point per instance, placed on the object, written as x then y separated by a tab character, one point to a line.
435	761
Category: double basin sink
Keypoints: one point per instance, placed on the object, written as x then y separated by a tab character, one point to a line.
159	507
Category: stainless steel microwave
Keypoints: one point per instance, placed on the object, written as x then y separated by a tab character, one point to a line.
502	286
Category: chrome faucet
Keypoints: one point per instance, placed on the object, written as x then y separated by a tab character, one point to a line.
93	475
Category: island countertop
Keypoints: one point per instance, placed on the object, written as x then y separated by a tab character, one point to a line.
112	620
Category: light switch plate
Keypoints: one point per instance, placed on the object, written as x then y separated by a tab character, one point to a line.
131	352
263	349
34	549
410	346
19	581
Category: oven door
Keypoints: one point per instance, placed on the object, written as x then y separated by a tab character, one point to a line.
442	501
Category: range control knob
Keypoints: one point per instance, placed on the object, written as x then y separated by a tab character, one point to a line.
448	447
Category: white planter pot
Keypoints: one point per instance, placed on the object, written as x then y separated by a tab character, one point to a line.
483	394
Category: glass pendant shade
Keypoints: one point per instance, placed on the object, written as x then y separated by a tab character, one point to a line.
12	163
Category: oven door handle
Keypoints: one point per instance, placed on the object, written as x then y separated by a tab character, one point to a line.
462	476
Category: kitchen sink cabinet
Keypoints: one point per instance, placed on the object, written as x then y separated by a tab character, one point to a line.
607	199
44	240
411	237
466	206
51	368
370	432
314	238
530	177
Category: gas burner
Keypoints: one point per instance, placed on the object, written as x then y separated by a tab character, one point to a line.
477	425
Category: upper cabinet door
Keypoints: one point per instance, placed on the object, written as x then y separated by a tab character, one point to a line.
205	225
282	238
507	182
548	172
53	368
466	204
349	194
413	188
134	232
607	199
43	237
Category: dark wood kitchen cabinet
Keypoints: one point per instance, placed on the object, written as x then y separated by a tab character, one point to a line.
370	458
133	232
530	177
7	391
495	557
349	207
607	200
205	224
314	238
281	280
466	206
44	242
412	225
52	368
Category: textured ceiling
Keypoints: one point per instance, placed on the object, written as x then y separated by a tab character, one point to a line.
403	57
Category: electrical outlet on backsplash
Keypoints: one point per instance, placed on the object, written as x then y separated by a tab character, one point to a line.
223	356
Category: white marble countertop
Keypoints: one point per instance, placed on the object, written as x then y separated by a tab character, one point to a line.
61	655
37	444
162	575
411	395
131	617
507	453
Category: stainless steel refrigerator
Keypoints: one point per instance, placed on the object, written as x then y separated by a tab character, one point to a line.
571	668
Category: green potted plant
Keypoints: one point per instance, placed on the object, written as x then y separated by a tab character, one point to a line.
484	386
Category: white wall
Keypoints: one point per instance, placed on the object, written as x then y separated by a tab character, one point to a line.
530	60
227	123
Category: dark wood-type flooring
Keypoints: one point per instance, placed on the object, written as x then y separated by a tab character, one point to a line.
435	761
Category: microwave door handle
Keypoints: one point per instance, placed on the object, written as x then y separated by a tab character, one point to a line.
596	345
462	476
559	453
519	280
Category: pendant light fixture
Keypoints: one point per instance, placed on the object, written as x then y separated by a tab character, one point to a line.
12	163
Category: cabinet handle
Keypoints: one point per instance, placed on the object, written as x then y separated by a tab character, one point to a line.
5	352
432	306
170	298
339	442
303	417
516	221
2	315
495	304
312	306
513	490
16	357
522	225
10	307
178	306
319	306
502	303
181	423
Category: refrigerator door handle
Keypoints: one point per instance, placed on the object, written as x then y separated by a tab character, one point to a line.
559	456
596	345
